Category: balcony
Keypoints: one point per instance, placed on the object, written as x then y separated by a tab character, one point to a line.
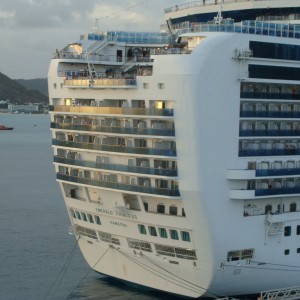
114	129
277	172
119	186
247	174
264	95
115	148
108	110
269	114
116	167
278	132
107	83
268	152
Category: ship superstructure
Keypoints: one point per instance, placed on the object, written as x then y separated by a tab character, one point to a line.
178	155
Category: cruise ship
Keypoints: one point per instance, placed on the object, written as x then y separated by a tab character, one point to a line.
178	152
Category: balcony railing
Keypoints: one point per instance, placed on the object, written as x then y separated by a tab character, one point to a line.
269	114
116	167
277	172
278	132
108	110
119	186
277	191
261	95
114	129
115	148
100	83
268	152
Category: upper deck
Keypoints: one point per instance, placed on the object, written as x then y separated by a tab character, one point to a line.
239	10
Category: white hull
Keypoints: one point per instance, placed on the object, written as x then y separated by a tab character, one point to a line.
184	212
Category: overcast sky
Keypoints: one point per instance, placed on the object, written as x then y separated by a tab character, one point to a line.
31	30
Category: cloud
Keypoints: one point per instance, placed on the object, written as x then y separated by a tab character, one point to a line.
44	13
31	30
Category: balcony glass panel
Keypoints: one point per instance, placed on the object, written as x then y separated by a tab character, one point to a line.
108	110
269	132
277	172
119	186
268	152
269	114
115	148
277	191
261	95
114	129
116	167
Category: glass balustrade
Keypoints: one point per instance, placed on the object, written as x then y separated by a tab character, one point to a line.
114	129
115	148
116	167
119	186
269	132
101	110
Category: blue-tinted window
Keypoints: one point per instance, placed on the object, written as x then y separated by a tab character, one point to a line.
77	215
84	216
287	230
163	233
152	230
185	236
90	217
174	234
97	220
275	51
142	229
274	72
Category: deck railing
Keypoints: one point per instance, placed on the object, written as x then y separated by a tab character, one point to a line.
116	167
114	129
119	186
110	110
115	148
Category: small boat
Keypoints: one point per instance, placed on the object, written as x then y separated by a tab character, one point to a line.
2	127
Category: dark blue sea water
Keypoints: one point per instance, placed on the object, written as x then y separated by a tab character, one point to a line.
35	247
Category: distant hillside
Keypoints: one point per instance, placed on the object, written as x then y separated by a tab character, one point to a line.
17	93
39	84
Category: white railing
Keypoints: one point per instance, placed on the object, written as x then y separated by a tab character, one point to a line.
204	3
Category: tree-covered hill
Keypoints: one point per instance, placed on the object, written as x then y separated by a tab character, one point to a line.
16	93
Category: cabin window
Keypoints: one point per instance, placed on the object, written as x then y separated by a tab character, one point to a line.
287	230
77	215
152	230
174	234
142	229
286	251
160	208
145	206
173	210
161	86
293	207
90	217
84	217
185	236
163	233
298	250
97	220
298	230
